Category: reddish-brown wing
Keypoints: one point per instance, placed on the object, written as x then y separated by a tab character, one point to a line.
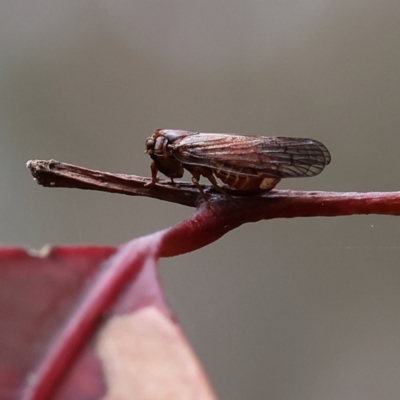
281	157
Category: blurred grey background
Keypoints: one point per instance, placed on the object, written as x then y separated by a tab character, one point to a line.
283	309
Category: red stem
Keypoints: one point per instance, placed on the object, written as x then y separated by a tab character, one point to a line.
215	218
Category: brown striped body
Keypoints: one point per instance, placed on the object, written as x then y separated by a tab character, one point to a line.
246	182
247	163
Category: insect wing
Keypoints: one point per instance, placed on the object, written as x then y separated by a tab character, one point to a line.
281	157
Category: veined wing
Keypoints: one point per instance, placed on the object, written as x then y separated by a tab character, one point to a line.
281	157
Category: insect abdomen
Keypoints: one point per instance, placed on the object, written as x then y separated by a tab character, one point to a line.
246	182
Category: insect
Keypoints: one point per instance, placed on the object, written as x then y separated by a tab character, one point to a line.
247	163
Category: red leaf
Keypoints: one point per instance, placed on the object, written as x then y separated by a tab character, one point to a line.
92	322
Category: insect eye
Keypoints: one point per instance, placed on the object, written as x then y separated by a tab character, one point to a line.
150	145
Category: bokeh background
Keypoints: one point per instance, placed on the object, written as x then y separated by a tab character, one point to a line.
284	309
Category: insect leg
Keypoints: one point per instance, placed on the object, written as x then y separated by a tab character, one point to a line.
154	172
197	184
214	182
208	173
197	171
